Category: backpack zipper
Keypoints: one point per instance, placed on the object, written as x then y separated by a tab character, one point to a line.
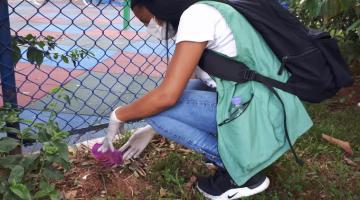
286	58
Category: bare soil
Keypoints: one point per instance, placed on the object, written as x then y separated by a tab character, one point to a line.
88	178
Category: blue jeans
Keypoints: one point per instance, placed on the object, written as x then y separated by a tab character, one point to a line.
192	121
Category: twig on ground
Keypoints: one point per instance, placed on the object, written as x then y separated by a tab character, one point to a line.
128	184
128	177
104	184
343	144
349	161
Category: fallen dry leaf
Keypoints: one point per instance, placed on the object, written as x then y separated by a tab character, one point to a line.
136	174
162	192
90	162
172	146
141	171
71	194
191	182
185	151
343	144
85	177
163	154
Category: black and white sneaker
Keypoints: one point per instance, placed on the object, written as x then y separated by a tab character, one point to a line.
209	164
222	187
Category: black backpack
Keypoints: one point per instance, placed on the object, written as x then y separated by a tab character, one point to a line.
312	57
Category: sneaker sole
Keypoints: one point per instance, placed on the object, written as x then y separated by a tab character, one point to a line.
238	193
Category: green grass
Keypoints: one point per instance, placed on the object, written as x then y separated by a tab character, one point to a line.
324	176
172	173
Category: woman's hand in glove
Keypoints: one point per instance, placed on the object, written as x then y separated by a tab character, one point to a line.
115	126
137	142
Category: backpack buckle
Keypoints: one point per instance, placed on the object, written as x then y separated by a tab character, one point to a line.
249	75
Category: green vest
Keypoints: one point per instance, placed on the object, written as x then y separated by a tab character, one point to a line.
255	139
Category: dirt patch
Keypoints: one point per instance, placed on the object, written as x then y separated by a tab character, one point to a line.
88	179
140	179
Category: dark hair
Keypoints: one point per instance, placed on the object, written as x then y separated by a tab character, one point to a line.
169	11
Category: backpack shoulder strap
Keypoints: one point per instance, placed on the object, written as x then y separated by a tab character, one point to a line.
228	69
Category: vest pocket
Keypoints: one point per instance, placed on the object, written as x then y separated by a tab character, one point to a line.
234	114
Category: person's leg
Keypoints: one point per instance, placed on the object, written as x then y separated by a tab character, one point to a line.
196	107
191	122
190	137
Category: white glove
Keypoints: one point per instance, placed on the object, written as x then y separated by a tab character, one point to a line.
115	126
137	142
204	77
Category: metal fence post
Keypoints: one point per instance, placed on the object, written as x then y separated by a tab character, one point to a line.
7	71
126	15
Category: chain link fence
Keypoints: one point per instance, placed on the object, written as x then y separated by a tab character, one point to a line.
123	63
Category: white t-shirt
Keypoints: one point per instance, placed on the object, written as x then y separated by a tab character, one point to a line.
200	23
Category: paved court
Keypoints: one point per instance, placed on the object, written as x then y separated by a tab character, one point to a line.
127	63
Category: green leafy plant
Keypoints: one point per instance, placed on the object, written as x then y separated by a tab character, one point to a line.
39	48
340	17
59	93
31	176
